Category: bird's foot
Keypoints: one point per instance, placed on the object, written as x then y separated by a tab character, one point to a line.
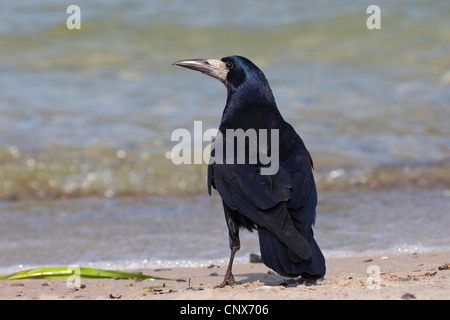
227	281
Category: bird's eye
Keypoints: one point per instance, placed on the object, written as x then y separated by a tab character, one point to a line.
229	65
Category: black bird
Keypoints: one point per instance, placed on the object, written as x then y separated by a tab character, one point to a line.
280	206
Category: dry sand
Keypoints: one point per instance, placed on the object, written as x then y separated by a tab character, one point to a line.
395	276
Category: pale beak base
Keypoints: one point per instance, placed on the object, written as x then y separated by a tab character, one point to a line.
212	67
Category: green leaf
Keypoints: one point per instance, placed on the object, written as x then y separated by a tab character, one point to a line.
66	272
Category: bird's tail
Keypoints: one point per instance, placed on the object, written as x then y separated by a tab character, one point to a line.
285	262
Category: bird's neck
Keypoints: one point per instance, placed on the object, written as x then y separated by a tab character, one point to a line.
251	108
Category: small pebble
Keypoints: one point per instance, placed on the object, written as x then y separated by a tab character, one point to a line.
263	288
408	296
255	258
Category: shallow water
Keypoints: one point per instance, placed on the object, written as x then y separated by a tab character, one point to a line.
176	231
86	118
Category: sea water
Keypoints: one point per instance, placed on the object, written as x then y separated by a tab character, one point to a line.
86	118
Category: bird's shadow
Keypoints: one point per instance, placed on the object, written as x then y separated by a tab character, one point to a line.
273	279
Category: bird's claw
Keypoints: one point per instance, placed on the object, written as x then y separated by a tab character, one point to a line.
227	281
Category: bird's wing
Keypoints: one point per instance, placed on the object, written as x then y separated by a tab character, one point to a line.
283	203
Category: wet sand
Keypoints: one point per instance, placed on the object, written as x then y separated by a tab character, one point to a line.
394	277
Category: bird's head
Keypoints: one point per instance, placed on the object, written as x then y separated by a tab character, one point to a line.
250	102
232	71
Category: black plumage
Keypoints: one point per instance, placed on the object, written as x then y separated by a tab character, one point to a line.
280	206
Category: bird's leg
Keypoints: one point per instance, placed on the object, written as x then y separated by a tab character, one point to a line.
235	245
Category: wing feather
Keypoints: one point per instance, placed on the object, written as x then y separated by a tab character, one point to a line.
283	203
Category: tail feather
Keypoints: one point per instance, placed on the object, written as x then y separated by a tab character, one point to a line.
285	262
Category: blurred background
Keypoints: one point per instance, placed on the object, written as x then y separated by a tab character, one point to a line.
86	117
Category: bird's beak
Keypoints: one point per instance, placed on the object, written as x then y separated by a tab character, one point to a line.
212	67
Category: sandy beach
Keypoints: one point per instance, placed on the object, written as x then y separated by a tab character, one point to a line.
420	276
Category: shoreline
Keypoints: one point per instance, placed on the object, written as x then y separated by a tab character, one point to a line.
392	276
